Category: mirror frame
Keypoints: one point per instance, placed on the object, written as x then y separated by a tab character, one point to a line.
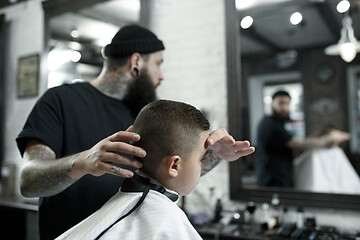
3	34
286	196
235	112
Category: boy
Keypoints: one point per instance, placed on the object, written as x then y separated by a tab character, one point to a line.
174	135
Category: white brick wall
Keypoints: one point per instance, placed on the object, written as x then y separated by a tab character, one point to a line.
195	71
26	34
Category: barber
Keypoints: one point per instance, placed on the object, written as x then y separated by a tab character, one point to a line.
275	145
75	140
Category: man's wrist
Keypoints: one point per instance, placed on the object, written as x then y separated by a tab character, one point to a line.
76	168
327	140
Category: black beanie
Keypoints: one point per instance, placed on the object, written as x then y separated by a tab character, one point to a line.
281	93
131	39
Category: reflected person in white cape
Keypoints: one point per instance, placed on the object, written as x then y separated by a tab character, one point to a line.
326	170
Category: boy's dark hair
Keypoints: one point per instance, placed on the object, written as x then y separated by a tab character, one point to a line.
280	93
168	128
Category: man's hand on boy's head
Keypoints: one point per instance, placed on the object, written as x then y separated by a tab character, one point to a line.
105	156
223	145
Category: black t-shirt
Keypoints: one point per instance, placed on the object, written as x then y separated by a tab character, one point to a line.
273	157
70	119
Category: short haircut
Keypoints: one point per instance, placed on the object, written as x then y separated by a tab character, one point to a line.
280	93
168	128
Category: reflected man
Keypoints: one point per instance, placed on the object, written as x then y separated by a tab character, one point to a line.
274	166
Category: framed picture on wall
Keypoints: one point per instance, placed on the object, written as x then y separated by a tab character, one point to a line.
28	76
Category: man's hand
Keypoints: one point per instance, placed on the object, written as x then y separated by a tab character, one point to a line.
336	137
43	175
102	157
224	146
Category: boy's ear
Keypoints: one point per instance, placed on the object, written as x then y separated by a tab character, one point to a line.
173	165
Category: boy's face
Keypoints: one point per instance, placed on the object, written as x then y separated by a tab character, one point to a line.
191	168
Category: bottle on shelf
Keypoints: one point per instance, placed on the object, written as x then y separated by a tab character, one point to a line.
300	218
275	203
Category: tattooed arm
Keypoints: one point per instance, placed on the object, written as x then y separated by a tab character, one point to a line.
221	145
43	175
209	162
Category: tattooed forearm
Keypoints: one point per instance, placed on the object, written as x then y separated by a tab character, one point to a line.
39	151
44	175
210	161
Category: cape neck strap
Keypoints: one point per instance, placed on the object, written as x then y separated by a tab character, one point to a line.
138	184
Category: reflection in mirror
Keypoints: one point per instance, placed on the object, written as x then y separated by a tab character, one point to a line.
279	47
296	125
267	87
76	39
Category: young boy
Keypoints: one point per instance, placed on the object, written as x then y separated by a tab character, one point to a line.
174	135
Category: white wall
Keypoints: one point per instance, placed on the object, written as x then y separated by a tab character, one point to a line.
194	70
25	37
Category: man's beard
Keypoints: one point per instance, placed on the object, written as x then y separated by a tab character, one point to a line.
139	92
279	116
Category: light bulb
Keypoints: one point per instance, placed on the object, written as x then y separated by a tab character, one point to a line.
246	22
343	6
75	33
348	51
75	56
296	18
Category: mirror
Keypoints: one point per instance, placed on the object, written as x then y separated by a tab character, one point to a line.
276	54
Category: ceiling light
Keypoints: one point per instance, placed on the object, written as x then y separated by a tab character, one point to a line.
74	33
74	45
343	6
246	22
242	5
102	42
75	56
58	57
296	18
348	46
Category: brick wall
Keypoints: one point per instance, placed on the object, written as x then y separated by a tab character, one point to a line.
25	37
195	71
